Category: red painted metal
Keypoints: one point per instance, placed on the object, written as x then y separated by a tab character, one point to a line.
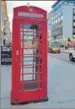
34	88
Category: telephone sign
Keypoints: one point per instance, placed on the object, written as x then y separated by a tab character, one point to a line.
29	55
23	14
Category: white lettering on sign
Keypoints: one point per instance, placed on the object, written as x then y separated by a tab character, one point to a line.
25	14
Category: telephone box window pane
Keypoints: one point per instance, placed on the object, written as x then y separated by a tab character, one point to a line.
32	69
30	44
27	37
30	33
28	51
31	26
28	26
32	61
29	62
28	59
27	77
29	69
31	52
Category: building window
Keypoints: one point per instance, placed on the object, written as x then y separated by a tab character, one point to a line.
74	10
56	20
51	18
74	36
59	14
56	15
61	17
69	2
73	17
74	24
73	30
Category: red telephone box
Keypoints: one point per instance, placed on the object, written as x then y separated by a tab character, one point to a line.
29	55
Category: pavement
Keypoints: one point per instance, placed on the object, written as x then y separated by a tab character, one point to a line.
61	86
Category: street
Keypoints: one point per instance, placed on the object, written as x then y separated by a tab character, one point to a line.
61	84
62	56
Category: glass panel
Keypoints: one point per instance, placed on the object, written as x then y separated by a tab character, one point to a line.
28	62
27	77
28	59
28	36
32	61
28	51
31	27
30	44
31	51
29	69
30	33
32	69
30	77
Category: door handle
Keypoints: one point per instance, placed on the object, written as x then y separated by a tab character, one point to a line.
17	52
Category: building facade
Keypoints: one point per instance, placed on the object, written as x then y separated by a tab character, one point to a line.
62	19
5	24
2	23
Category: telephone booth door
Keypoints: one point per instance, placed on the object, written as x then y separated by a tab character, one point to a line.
29	69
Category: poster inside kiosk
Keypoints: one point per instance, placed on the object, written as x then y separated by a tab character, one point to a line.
29	56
